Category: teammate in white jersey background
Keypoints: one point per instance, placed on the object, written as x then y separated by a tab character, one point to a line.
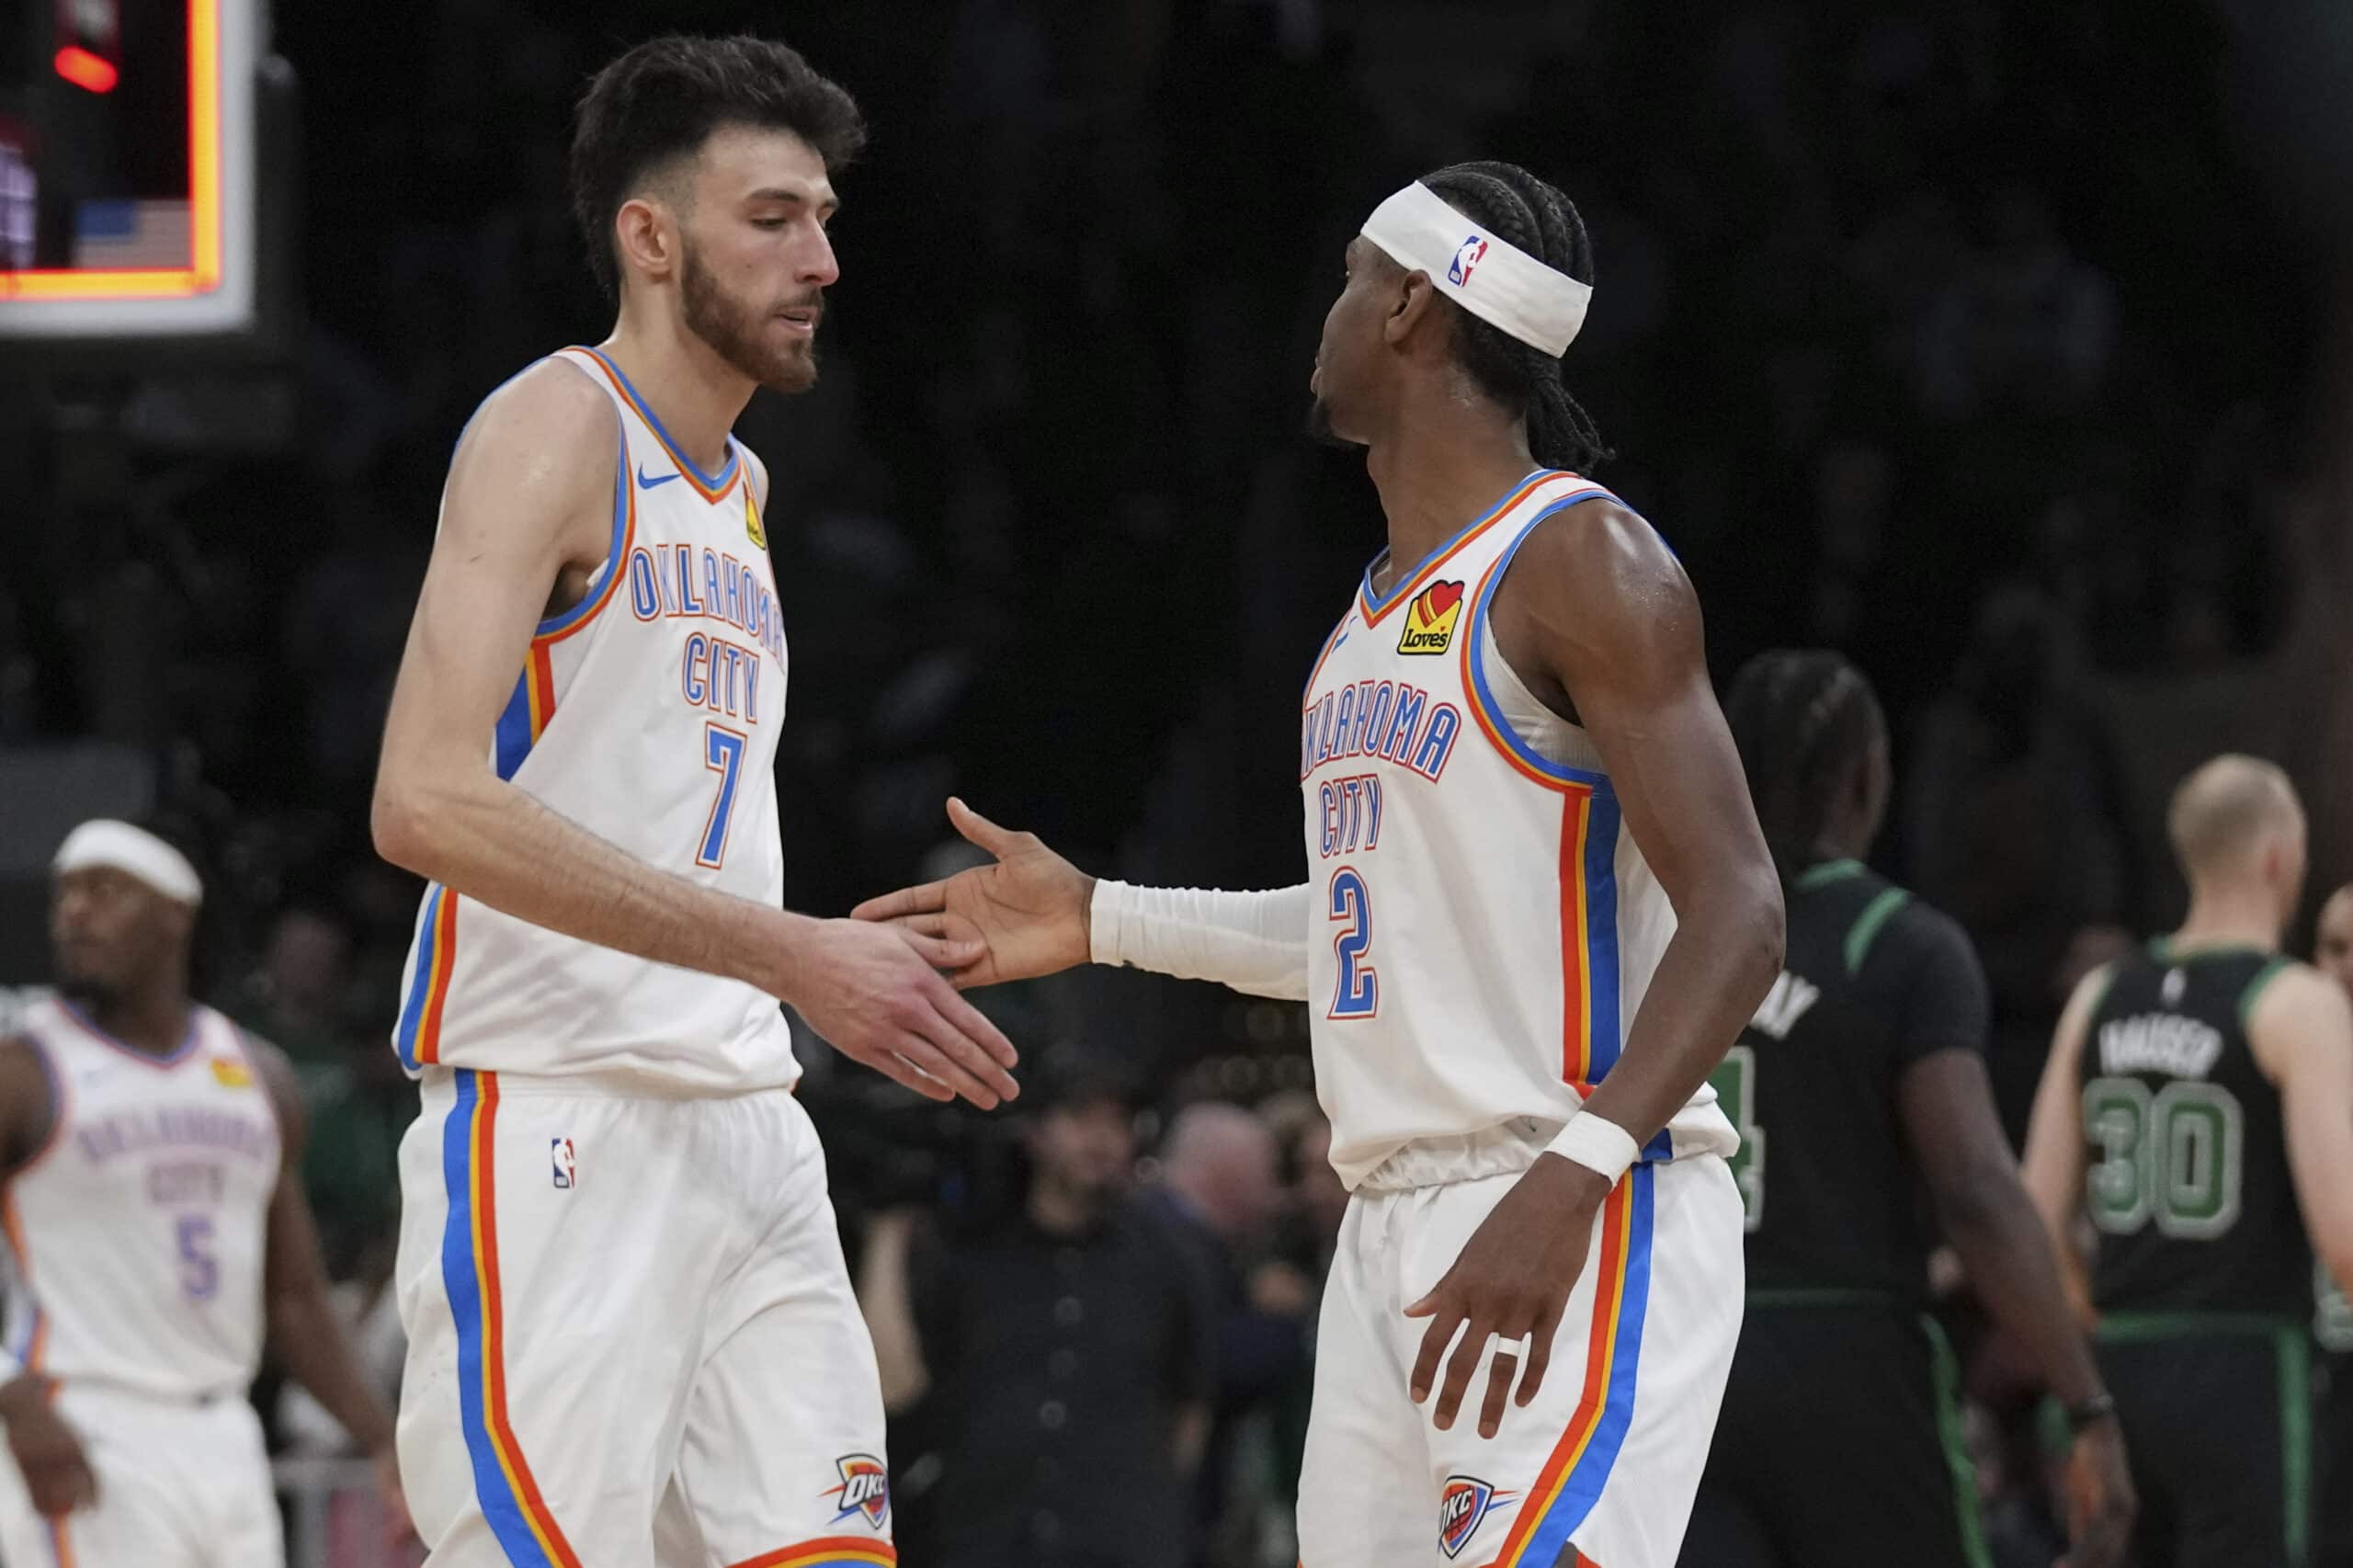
156	1223
1540	910
632	1336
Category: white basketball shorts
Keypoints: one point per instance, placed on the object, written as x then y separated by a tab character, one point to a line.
180	1485
632	1336
1599	1471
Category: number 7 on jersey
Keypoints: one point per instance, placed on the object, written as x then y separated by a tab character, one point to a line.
723	754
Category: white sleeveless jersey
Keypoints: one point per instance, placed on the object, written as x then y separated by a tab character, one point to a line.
648	714
139	1230
1488	923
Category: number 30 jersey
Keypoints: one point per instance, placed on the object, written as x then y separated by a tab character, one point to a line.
648	714
2186	1155
1488	925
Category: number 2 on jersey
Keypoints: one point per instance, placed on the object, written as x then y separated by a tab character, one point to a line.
723	754
1359	994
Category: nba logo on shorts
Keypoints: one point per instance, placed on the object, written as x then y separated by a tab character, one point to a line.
1466	256
560	1155
865	1489
1462	1504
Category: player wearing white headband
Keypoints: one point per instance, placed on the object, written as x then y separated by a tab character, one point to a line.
156	1220
1538	910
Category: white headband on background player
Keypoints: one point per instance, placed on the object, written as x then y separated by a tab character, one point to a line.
1488	276
132	851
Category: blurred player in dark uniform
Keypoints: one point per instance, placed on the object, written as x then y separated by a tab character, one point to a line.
2198	1095
1859	1089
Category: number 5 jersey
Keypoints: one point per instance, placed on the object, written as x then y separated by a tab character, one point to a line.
139	1229
1488	925
647	713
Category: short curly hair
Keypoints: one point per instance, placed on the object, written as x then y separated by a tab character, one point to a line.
663	100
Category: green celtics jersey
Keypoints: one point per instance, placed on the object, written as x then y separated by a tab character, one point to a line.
2187	1160
1874	981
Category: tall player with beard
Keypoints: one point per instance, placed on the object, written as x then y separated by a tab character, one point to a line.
632	1336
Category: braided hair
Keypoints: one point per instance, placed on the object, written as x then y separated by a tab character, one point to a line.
1539	220
1801	719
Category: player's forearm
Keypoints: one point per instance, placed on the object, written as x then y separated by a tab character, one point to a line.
491	842
1254	942
308	1343
1722	959
2010	1261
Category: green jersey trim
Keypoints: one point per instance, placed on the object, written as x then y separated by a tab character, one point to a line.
2134	1328
1870	924
1956	1446
2261	983
1825	873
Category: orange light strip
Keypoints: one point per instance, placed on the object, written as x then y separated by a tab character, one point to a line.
91	72
202	275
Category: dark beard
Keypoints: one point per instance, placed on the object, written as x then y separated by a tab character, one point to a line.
733	331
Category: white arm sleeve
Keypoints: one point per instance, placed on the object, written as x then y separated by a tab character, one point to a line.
1254	942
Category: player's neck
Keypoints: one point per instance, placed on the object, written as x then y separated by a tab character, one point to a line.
696	395
1437	471
2229	917
155	1022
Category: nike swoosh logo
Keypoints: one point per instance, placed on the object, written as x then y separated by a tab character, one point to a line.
645	484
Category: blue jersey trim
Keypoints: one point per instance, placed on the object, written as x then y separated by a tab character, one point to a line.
676	453
616	544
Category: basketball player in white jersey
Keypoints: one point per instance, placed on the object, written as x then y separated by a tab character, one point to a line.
632	1336
155	1217
1540	910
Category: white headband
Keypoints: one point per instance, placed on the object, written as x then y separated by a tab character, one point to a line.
1488	276
133	850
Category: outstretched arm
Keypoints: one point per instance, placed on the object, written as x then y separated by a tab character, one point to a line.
529	505
1033	913
2300	1029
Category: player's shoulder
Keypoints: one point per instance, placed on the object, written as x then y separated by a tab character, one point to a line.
1602	579
549	407
1892	931
1597	536
2293	997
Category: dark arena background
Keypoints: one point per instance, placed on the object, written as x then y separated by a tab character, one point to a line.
2005	348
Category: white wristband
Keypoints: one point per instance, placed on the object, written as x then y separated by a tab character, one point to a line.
1599	1145
1254	942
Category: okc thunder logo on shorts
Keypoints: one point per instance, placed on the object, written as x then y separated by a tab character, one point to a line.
1462	1504
1466	256
865	1489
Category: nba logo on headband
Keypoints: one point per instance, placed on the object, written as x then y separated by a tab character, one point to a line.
1537	304
1466	256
